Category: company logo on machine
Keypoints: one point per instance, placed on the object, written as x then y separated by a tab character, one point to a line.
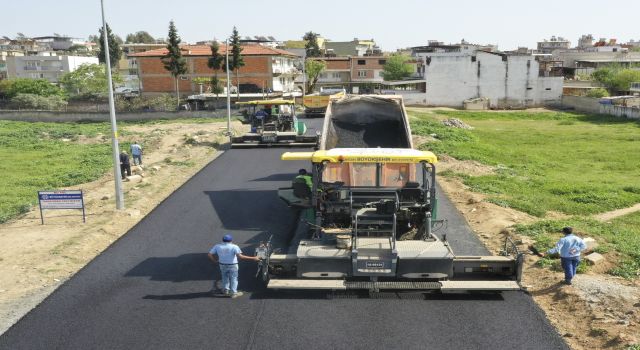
375	264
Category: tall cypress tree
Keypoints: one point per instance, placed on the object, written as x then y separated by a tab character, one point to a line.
115	52
215	63
173	60
236	61
311	44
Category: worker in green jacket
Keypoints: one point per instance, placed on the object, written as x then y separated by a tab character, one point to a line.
302	174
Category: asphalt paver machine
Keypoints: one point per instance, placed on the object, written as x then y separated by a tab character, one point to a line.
370	219
273	123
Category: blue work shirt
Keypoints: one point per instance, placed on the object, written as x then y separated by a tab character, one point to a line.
136	150
226	252
569	246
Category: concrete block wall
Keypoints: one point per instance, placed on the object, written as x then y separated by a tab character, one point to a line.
42	116
620	111
581	104
592	105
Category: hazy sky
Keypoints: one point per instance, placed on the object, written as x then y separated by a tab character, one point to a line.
393	24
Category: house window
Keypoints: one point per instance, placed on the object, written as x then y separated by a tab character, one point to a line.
336	75
382	62
184	78
362	74
362	62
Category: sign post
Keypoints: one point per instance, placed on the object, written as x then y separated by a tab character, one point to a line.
65	199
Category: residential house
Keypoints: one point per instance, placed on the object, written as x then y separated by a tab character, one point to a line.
45	65
58	43
555	43
266	69
355	47
357	74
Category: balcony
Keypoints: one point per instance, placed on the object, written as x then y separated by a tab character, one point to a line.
43	68
280	71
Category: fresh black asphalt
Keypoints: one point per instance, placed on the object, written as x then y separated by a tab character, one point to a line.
150	288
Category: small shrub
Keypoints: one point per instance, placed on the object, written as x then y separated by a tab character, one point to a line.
627	269
597	332
597	93
32	101
160	103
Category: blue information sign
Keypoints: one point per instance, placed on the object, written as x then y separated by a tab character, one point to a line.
64	199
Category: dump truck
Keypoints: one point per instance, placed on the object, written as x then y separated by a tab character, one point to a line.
273	123
369	220
315	105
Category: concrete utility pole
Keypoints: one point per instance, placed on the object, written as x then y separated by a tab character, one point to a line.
226	43
112	113
304	74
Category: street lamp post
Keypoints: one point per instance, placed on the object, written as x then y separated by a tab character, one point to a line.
112	114
226	43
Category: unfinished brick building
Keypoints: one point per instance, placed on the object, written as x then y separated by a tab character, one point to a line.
265	69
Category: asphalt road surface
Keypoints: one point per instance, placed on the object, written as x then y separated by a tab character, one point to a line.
150	288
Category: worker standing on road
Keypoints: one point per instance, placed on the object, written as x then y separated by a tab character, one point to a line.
125	166
226	254
569	248
136	153
302	174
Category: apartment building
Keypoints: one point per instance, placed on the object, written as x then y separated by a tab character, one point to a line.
266	69
45	65
128	65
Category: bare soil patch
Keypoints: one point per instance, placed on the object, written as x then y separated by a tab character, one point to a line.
36	259
604	217
598	311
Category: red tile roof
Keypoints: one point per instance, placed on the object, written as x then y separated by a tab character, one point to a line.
205	50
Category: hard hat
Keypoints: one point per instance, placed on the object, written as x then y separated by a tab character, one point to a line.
227	238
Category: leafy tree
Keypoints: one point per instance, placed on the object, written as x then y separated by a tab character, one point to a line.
215	62
94	39
140	37
396	67
313	69
235	59
41	87
115	52
173	60
311	45
615	78
88	80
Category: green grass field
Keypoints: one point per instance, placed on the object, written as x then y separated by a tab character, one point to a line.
569	163
35	157
45	156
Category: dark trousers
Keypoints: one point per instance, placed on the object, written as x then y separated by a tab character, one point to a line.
125	168
570	265
137	159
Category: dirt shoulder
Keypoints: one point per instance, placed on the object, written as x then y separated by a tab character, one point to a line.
35	259
598	311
